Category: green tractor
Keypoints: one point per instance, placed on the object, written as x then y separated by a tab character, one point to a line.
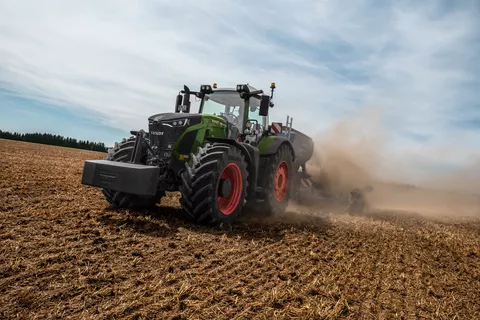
221	159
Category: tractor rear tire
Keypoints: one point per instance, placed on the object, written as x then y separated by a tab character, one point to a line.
278	182
214	184
122	152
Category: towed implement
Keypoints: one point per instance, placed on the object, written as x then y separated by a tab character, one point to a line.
222	159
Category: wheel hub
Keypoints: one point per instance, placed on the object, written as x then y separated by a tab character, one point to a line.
224	188
229	189
281	181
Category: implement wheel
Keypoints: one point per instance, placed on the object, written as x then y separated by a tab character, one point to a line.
214	184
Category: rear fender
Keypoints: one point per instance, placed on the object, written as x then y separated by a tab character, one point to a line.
275	143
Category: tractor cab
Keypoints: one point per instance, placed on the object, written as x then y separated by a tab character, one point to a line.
244	109
243	115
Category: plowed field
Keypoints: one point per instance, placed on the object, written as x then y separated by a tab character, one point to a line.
65	254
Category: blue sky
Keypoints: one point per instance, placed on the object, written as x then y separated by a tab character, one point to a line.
97	69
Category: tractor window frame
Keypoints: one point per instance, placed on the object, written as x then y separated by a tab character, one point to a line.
236	102
245	106
262	120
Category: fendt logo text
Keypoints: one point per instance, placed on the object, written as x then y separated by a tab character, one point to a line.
157	133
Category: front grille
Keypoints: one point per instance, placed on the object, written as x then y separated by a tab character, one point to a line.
155	129
161	136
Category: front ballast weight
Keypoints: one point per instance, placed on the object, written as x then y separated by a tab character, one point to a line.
126	184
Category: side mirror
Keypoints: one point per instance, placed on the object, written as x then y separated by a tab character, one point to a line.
264	105
178	102
186	100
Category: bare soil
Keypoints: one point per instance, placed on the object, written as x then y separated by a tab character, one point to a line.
65	254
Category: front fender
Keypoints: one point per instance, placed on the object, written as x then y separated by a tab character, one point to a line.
251	156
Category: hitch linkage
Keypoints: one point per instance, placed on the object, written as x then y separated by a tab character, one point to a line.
137	147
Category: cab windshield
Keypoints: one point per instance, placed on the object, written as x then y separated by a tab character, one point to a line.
228	105
225	104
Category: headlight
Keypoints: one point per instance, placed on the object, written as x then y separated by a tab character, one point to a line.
175	123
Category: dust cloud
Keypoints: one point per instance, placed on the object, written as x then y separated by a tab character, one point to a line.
353	153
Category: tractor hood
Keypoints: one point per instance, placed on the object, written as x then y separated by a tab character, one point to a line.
168	132
174	116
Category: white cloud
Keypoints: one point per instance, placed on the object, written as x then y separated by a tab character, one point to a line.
121	61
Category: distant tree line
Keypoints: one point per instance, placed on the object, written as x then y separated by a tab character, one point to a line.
54	140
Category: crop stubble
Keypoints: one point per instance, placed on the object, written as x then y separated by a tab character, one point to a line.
65	254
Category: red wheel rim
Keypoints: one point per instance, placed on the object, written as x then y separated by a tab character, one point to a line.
281	181
229	203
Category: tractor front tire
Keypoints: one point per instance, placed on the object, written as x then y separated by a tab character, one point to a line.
278	182
214	184
122	152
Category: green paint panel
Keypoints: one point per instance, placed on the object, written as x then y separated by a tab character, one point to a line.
214	125
265	143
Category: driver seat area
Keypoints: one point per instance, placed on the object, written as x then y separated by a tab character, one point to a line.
232	131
